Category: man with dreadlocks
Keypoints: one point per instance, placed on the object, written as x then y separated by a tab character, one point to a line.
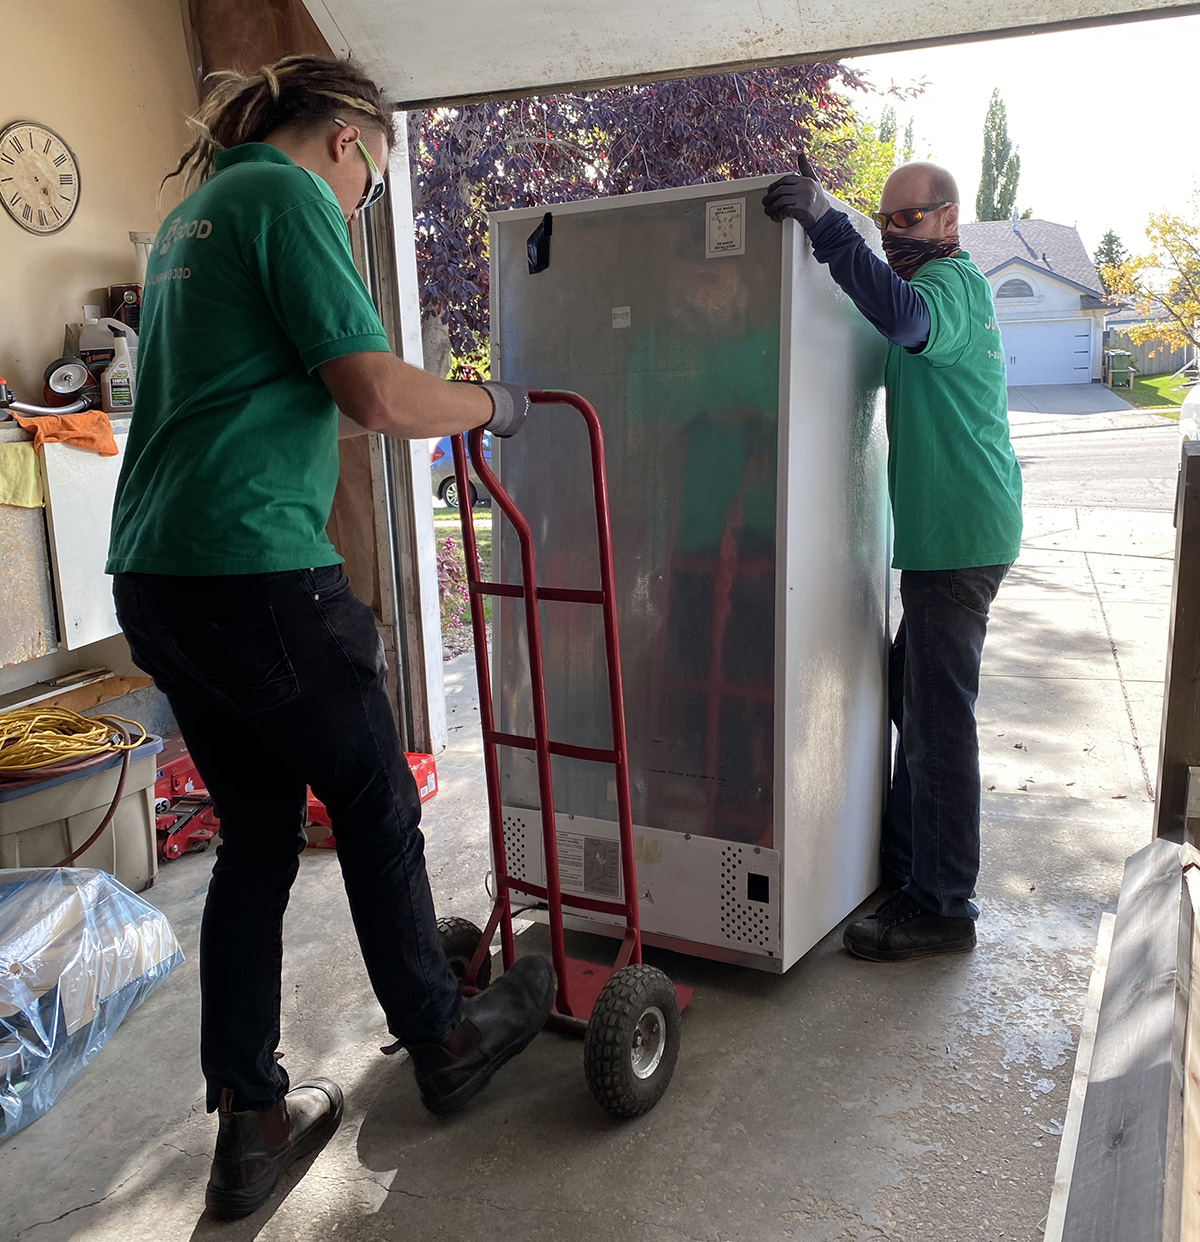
256	330
956	505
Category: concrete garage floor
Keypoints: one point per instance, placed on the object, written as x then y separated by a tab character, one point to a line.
843	1101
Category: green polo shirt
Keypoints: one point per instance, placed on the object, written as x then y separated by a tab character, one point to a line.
232	458
953	475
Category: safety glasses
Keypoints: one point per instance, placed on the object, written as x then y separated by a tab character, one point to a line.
375	191
906	217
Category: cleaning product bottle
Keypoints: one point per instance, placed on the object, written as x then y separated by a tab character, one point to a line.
116	384
95	343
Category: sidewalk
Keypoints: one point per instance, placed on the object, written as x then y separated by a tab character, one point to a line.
844	1101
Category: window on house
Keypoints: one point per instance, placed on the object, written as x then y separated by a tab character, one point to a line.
1015	289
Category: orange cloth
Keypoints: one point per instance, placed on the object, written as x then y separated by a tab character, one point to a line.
90	429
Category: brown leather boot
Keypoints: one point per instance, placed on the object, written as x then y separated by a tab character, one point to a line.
497	1024
254	1148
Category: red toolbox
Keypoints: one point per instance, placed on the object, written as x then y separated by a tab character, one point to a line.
424	772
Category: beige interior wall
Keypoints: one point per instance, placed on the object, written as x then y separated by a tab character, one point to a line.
114	78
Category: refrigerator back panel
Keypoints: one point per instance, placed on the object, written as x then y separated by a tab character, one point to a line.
740	395
666	316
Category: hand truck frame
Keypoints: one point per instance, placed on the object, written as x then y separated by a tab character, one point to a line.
629	1013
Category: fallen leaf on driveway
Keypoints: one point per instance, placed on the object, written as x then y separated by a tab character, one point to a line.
991	788
1120	795
1023	788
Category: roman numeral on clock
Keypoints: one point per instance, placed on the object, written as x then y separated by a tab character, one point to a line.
27	212
58	163
65	179
46	148
16	145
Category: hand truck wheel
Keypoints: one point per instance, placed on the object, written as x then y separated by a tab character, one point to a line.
459	939
632	1041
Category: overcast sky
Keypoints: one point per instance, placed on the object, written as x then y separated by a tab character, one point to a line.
1075	100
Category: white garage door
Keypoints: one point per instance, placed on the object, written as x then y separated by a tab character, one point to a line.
1054	352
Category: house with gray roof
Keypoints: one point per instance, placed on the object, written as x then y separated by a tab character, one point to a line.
1050	305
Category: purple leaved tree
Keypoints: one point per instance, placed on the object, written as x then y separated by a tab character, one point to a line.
477	158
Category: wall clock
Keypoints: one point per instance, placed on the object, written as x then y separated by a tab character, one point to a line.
39	177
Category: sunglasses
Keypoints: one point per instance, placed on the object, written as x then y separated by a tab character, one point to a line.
375	191
906	217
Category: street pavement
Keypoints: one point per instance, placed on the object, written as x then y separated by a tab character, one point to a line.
844	1101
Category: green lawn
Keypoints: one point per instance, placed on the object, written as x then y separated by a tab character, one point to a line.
1154	392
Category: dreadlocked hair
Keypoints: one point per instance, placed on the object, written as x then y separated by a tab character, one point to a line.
301	91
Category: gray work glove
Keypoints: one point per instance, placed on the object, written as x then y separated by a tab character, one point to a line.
796	198
510	405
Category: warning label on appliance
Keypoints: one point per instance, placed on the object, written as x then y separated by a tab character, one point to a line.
589	865
725	228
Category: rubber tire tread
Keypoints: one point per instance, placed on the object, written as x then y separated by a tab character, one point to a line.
459	939
608	1043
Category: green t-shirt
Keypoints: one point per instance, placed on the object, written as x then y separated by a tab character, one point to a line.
232	456
952	472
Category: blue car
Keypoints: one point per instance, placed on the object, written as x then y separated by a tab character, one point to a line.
441	468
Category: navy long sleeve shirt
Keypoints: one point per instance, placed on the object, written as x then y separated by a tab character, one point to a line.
891	304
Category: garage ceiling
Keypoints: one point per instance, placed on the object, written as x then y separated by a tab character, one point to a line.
453	50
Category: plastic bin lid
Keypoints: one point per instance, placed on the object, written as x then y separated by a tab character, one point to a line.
151	746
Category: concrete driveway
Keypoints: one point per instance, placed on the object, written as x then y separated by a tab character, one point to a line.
1052	409
1055	399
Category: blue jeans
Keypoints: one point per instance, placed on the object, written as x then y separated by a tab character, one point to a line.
278	683
931	825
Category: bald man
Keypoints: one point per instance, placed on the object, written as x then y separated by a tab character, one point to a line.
956	505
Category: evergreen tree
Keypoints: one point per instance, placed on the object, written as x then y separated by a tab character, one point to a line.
1110	254
1001	166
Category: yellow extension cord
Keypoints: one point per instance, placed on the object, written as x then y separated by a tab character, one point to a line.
37	737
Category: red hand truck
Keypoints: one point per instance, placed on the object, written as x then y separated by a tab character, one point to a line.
628	1013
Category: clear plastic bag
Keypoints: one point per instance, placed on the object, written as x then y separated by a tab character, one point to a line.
78	951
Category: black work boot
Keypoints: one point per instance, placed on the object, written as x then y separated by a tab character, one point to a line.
497	1024
255	1147
902	929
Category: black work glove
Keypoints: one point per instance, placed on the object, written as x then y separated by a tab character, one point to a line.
510	406
796	198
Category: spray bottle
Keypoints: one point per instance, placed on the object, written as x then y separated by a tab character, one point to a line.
92	341
116	384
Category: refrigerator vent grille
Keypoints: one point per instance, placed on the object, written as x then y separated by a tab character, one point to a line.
514	847
742	922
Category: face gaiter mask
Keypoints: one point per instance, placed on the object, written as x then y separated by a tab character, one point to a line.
906	254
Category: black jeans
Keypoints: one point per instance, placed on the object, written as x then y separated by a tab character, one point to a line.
931	826
278	683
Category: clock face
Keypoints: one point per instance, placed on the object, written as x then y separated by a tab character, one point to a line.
39	177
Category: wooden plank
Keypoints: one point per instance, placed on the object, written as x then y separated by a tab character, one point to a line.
1124	1183
97	689
1079	1081
97	692
1191	815
1180	741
